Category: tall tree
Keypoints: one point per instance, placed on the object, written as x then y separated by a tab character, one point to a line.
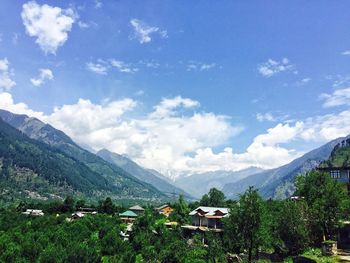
289	226
326	201
244	225
107	206
181	211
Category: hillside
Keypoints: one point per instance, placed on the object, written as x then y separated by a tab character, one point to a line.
142	174
200	184
278	183
32	168
125	185
340	156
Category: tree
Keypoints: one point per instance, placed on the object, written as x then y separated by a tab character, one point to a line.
326	201
244	225
290	228
214	198
107	206
181	211
68	204
80	203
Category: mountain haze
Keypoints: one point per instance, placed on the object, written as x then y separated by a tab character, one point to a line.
142	174
200	184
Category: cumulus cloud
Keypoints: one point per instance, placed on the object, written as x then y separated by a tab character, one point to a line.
174	138
6	83
50	25
273	67
44	74
337	98
143	32
7	103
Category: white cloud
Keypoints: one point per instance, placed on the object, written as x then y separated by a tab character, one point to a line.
346	53
6	83
102	66
98	68
273	67
337	98
7	103
173	138
123	67
265	117
198	66
303	81
50	25
83	25
44	74
143	32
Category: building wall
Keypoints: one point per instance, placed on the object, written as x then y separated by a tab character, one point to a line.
206	222
340	175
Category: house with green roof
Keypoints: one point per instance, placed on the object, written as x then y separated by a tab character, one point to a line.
128	216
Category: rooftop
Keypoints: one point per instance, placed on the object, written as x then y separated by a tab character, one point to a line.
210	211
137	208
128	214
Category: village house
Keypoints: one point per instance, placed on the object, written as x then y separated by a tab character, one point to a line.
83	211
128	216
138	210
207	218
165	210
33	212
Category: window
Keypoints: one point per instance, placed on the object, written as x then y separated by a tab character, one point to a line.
335	174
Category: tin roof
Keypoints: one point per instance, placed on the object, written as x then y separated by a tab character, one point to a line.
210	211
128	214
137	208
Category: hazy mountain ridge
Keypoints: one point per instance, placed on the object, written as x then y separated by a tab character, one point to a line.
278	182
142	174
200	184
37	130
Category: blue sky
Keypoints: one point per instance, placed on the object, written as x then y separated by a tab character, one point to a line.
265	80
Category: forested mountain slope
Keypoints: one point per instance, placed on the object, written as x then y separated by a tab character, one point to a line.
124	185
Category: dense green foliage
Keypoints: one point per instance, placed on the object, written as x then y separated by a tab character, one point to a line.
327	201
275	229
340	156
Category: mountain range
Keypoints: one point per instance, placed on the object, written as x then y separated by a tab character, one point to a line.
37	160
278	183
121	183
200	184
143	174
